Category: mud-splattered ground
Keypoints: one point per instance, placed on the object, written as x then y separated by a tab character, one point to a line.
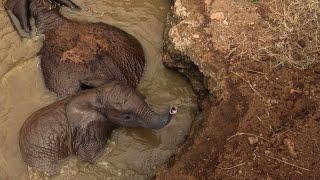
130	153
255	66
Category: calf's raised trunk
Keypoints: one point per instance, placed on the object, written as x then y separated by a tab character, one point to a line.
153	120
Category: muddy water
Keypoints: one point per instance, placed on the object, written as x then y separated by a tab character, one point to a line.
130	153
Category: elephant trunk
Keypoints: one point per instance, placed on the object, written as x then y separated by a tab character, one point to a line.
153	120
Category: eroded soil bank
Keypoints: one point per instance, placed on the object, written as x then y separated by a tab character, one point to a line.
255	66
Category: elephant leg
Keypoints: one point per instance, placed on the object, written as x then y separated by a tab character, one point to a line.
89	151
93	140
45	156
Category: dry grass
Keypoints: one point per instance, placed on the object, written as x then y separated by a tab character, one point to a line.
294	28
290	34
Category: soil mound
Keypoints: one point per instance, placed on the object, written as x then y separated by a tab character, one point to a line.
255	66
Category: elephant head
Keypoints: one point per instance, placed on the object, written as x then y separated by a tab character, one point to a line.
117	103
126	107
95	112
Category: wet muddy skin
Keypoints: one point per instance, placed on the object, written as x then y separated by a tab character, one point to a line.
130	153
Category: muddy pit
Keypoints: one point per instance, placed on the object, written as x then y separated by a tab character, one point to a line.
130	153
254	66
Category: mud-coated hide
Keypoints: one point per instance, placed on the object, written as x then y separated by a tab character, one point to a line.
81	125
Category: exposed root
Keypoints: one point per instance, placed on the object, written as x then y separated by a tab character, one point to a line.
287	163
238	165
250	85
249	134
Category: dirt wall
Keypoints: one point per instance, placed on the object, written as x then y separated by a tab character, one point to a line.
255	67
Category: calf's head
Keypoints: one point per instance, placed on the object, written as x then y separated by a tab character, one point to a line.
126	107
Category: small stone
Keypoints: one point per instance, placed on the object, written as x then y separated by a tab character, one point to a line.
269	178
225	22
267	152
290	146
298	91
218	16
302	43
196	36
180	10
253	140
208	2
317	69
273	101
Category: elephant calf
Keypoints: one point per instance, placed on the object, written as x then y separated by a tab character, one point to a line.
81	125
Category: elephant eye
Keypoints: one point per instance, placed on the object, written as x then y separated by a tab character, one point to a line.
128	117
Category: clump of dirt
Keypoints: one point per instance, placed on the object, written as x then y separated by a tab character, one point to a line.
255	66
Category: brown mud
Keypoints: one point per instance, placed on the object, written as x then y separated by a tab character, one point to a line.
255	68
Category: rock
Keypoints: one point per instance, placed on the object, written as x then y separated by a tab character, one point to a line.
317	68
180	10
269	178
225	22
253	140
218	16
290	146
267	152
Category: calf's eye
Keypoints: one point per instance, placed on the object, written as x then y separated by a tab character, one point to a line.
128	117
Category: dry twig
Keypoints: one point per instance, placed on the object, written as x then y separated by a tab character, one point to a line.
249	134
238	165
287	163
249	83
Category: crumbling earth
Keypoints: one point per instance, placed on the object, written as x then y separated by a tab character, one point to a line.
255	67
